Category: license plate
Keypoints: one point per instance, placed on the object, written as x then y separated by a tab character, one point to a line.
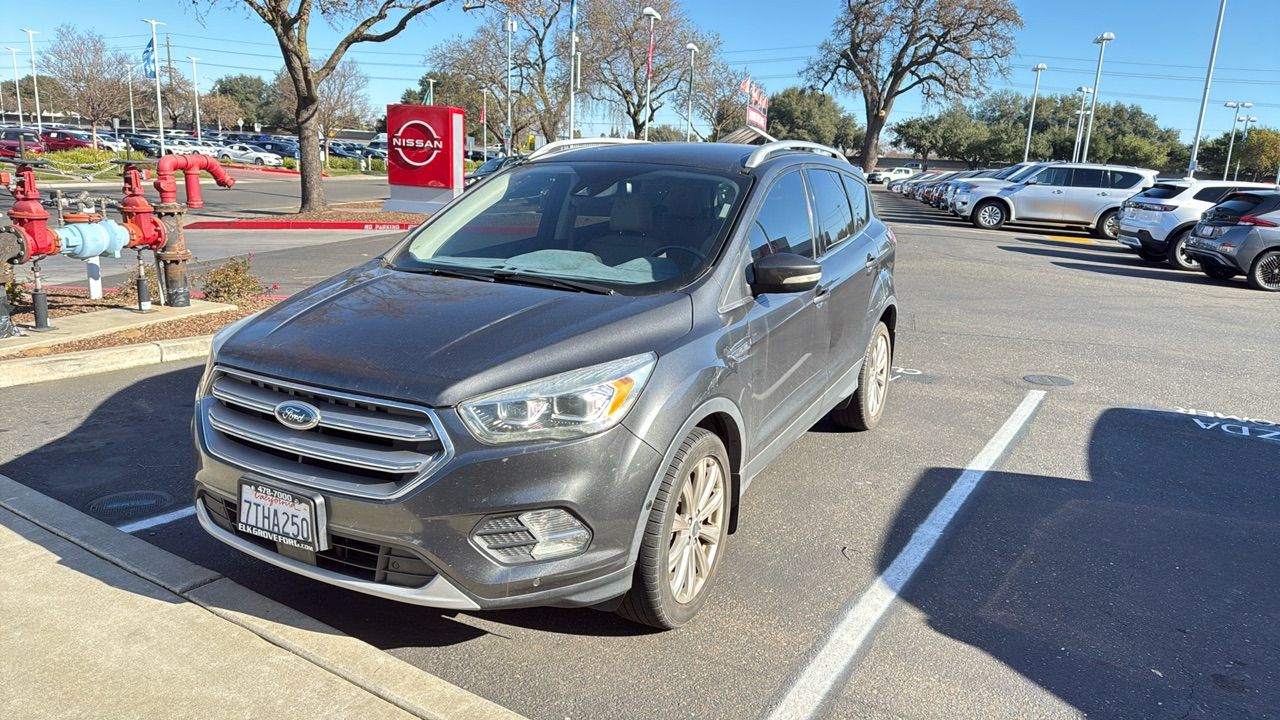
282	516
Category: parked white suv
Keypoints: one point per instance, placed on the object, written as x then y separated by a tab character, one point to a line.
884	176
1078	194
1157	221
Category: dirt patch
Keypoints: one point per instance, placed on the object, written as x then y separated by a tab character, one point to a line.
67	302
361	211
190	326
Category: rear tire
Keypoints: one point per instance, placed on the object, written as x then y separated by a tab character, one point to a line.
1177	253
1265	272
989	215
684	538
1108	225
866	406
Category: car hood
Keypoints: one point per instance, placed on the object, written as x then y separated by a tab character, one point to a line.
438	340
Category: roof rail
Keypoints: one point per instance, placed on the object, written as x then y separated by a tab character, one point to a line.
765	151
559	146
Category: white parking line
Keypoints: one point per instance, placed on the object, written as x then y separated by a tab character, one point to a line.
836	655
164	519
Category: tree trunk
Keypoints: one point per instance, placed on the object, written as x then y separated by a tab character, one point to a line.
871	142
310	166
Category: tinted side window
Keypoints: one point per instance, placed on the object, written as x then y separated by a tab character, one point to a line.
1212	194
1054	176
1122	180
831	207
1088	178
858	200
782	225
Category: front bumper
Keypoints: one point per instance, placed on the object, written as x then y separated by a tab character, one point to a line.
603	480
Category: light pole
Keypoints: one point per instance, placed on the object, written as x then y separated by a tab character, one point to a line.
688	131
431	91
155	66
133	127
1247	120
1101	42
1237	106
35	84
648	73
1026	152
1085	92
1204	99
195	91
573	64
17	91
507	132
484	121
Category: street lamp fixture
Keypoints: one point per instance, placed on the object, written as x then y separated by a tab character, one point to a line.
653	16
1237	106
1101	41
35	84
1035	94
1085	92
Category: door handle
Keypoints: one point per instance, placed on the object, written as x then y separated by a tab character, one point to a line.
871	263
1057	192
1104	194
821	293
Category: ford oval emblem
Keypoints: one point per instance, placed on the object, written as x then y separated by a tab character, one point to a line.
297	415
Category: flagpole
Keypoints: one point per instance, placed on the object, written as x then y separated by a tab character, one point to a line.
573	54
156	71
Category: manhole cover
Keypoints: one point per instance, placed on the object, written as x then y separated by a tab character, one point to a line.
1050	380
129	503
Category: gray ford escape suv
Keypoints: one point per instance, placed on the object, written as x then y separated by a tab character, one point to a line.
555	391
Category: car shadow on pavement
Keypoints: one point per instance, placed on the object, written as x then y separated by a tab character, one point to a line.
1145	589
136	446
1191	278
1081	252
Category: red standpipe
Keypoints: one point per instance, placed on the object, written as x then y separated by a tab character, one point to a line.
30	217
190	165
145	229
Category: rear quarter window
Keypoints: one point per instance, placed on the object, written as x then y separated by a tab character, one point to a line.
1212	194
1122	180
1164	192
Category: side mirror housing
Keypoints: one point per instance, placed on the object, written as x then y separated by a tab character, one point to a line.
1030	181
784	273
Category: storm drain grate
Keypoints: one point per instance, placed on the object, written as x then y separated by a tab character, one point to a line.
130	502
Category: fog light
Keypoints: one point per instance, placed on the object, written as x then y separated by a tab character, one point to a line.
532	536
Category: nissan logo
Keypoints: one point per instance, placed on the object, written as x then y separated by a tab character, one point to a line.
416	143
297	415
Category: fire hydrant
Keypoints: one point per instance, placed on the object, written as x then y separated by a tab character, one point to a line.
174	255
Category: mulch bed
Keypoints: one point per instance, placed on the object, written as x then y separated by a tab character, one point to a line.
70	302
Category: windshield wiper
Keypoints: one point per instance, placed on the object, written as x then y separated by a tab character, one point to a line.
551	282
467	274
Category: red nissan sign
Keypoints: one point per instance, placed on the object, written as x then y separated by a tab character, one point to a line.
424	146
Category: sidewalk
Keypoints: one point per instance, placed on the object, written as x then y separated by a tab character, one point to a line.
99	624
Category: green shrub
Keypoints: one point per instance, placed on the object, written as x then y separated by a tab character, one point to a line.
82	156
290	163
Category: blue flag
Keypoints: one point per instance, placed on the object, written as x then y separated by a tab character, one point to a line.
149	59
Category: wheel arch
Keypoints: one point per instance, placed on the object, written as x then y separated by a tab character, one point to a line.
1008	206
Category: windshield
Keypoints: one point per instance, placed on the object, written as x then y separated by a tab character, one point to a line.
1024	173
490	166
1009	172
629	227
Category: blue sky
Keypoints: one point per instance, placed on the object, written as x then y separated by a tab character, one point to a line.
1158	59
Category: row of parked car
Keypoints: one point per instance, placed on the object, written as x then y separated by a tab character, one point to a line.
1222	228
250	148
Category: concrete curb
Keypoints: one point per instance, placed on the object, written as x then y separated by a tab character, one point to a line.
394	681
26	371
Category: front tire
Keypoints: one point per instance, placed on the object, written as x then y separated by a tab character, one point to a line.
684	537
989	215
1177	253
1265	272
1108	225
258	161
865	408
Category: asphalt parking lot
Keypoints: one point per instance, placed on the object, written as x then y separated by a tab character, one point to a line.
1116	561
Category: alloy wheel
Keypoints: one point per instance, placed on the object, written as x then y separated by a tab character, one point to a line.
1111	228
695	530
879	375
1269	271
990	215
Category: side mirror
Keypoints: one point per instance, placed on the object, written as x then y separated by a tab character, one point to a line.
1030	181
784	273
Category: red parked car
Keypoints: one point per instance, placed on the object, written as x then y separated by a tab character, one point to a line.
13	141
65	140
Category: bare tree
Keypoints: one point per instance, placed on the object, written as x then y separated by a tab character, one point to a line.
884	48
370	21
616	40
719	100
93	77
220	110
176	97
343	102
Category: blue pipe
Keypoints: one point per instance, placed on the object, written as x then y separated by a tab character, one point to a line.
86	240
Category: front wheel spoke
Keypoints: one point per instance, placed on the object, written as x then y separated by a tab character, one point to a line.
709	486
681	568
677	551
709	533
712	505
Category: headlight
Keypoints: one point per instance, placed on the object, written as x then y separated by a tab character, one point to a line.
560	407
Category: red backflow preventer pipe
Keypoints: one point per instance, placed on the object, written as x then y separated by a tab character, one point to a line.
190	165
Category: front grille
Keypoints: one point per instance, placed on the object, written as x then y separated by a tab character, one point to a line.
367	447
355	558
